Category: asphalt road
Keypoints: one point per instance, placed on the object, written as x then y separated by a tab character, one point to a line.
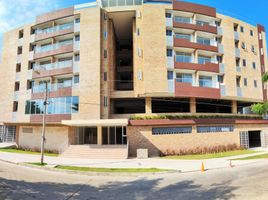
244	182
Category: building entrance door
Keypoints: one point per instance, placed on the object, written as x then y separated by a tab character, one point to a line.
86	135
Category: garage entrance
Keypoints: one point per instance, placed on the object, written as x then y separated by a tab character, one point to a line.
254	138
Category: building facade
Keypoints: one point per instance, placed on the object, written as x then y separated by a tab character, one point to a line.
128	75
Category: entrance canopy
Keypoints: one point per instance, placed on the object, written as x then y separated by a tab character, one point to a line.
97	122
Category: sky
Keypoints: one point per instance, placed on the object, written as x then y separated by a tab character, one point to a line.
14	13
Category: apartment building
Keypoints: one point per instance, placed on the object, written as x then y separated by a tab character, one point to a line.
127	75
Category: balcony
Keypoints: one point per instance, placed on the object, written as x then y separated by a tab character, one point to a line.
238	69
197	27
54	90
169	22
170	62
53	69
208	67
220	31
184	89
220	48
222	68
169	41
53	49
181	42
54	31
236	35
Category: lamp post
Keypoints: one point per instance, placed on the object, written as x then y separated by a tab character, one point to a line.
43	139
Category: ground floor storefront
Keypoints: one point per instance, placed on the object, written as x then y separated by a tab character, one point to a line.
122	138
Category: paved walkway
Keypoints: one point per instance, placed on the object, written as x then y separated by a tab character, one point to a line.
181	165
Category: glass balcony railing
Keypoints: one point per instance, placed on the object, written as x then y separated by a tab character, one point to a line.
51	87
184	80
55	28
205	83
42	49
56	65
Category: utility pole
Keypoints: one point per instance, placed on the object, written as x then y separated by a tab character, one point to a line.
43	139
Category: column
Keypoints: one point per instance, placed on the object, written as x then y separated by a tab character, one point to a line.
99	135
234	107
192	105
148	105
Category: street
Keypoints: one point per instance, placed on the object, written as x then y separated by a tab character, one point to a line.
243	182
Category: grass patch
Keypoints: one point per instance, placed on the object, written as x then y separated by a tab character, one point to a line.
263	156
36	163
126	170
10	150
211	155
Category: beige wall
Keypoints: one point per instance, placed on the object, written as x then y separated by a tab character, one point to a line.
90	56
249	92
56	138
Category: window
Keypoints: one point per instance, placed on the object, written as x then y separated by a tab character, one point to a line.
20	34
255	84
201	40
241	29
77	38
62	105
17	86
210	129
105	101
169	52
201	23
170	75
186	20
19	51
65	42
76	79
220	78
171	130
244	62
64	82
169	32
245	82
30	84
254	65
15	106
251	33
253	48
18	67
238	81
183	57
243	45
77	20
31	65
105	76
65	26
138	32
183	36
203	60
205	81
168	15
77	57
105	53
184	78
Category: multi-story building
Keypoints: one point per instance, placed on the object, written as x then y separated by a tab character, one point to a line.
128	75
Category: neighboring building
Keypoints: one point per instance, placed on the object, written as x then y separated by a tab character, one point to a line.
107	61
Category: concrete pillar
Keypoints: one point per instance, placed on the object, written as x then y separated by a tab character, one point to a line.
148	105
99	135
192	105
234	107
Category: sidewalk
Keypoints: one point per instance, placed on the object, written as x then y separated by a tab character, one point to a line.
180	165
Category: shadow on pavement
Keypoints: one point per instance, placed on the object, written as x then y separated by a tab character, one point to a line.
141	189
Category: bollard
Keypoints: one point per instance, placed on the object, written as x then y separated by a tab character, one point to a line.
202	167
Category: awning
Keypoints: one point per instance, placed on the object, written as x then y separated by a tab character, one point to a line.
96	122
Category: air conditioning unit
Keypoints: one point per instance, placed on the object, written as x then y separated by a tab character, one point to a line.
139	52
139	76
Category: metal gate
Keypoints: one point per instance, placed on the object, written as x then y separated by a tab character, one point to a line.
264	139
244	141
7	133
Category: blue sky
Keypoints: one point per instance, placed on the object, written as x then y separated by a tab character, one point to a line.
14	13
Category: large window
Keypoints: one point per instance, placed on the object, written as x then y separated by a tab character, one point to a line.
209	129
184	78
201	23
205	81
202	40
62	105
171	130
183	36
203	60
183	57
183	19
